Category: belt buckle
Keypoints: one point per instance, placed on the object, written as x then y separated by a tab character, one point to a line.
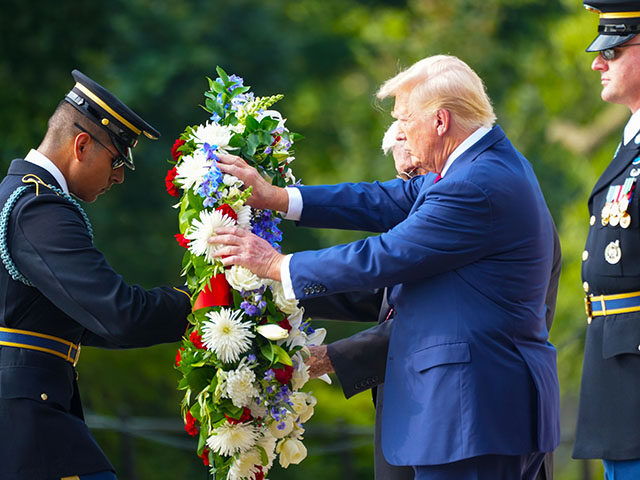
587	308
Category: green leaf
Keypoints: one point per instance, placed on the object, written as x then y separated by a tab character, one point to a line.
222	74
199	378
267	351
281	355
251	124
264	458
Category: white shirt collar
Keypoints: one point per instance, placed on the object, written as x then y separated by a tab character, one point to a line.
464	146
41	160
632	127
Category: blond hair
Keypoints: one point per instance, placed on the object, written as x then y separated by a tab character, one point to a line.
444	82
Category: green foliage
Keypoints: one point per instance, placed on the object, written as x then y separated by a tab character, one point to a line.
328	58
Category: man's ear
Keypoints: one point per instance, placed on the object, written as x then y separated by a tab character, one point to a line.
81	145
443	121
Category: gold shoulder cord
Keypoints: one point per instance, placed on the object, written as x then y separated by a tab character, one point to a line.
36	180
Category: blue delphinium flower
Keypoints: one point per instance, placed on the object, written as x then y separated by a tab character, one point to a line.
208	189
265	225
215	118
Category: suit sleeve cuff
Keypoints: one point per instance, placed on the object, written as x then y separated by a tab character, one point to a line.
285	279
294	211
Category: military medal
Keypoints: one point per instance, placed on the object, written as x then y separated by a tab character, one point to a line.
615	214
625	220
606	210
613	253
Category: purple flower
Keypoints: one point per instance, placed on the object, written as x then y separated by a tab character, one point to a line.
269	375
251	358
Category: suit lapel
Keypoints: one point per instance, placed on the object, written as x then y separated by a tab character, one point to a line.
619	163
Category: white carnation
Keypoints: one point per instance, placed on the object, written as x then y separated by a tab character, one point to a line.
213	134
225	335
241	278
240	386
202	229
229	439
191	169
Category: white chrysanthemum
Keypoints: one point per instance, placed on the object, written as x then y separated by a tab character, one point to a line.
229	439
240	386
191	170
213	134
244	217
202	229
241	278
245	466
225	335
287	306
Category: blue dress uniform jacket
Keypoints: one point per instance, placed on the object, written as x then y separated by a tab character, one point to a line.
469	370
609	413
75	296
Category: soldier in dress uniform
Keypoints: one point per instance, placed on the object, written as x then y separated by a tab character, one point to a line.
57	291
609	416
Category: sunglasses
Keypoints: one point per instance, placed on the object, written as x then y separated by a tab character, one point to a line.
117	160
610	53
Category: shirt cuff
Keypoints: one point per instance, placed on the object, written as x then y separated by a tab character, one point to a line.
285	278
294	212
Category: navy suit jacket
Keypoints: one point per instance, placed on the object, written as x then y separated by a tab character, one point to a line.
469	370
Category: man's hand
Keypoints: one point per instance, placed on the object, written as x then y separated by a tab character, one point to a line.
247	250
264	195
319	362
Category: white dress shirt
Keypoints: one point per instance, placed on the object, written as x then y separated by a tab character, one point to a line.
632	128
41	160
294	211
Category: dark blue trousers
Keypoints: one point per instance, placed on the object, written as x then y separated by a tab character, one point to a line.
485	467
93	476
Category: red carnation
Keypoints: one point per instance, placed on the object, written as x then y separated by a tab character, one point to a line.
190	424
196	339
245	417
183	242
205	456
179	356
285	324
260	474
175	154
284	374
168	183
228	211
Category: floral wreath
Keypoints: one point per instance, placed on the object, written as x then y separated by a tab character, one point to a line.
242	358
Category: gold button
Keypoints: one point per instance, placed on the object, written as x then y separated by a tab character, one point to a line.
585	285
592	220
105	121
44	396
585	255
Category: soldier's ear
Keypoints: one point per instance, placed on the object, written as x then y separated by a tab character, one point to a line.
80	145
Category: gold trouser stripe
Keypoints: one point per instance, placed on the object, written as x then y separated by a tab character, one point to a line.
75	477
109	110
620	15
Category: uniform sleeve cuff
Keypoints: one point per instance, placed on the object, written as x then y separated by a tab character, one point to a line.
294	212
285	278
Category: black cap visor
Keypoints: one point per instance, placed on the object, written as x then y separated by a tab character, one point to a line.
602	42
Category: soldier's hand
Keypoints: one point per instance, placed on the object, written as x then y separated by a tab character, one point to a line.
319	362
264	195
241	247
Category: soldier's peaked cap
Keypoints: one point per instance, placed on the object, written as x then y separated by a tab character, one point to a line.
619	22
105	109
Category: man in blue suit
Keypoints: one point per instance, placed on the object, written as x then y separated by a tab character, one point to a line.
471	388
